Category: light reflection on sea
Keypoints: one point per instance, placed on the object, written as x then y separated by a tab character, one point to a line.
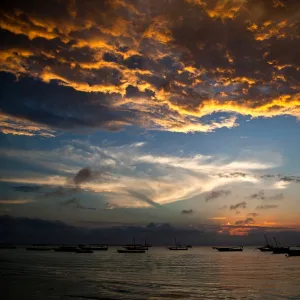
199	273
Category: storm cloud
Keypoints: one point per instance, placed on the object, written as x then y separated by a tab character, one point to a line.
83	65
216	194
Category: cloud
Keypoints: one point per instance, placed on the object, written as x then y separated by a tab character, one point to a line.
238	205
254	215
127	175
82	176
81	65
187	211
75	202
217	194
16	201
27	188
261	196
247	221
267	206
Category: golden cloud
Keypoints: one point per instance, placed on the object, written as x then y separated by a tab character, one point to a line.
161	62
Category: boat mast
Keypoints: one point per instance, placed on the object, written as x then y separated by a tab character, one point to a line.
275	241
266	240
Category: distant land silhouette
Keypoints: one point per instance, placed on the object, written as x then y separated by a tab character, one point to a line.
37	231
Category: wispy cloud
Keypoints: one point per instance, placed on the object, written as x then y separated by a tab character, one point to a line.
238	206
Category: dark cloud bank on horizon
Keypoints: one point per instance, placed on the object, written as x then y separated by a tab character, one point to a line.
30	231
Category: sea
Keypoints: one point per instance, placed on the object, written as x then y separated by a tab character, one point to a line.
199	273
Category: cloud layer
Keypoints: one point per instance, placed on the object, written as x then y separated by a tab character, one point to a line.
165	66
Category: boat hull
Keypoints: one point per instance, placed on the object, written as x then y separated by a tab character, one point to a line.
223	249
281	250
265	249
130	251
178	248
294	252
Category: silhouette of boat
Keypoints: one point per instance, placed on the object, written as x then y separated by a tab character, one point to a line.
66	249
37	248
178	247
134	248
7	246
278	249
93	247
82	250
293	252
267	247
131	251
229	249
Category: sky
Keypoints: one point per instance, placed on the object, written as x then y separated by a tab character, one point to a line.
133	112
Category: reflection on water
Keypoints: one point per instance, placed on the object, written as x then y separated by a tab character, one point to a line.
199	273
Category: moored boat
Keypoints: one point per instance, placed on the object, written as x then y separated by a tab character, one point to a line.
267	247
229	249
66	249
94	248
178	247
131	251
293	252
278	249
81	250
34	248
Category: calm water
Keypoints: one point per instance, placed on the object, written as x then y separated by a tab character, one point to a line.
198	273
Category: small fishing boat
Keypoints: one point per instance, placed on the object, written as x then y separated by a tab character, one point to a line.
94	248
131	251
267	247
178	247
293	252
134	248
81	250
278	249
66	249
229	249
35	248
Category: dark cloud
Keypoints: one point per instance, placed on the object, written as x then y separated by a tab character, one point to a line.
75	202
141	196
247	221
37	231
261	196
61	192
187	211
217	194
82	176
83	65
254	215
238	205
267	206
27	188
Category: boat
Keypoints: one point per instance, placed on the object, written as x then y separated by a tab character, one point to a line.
34	248
66	249
94	248
178	247
267	247
229	249
293	252
81	250
133	248
278	249
131	251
